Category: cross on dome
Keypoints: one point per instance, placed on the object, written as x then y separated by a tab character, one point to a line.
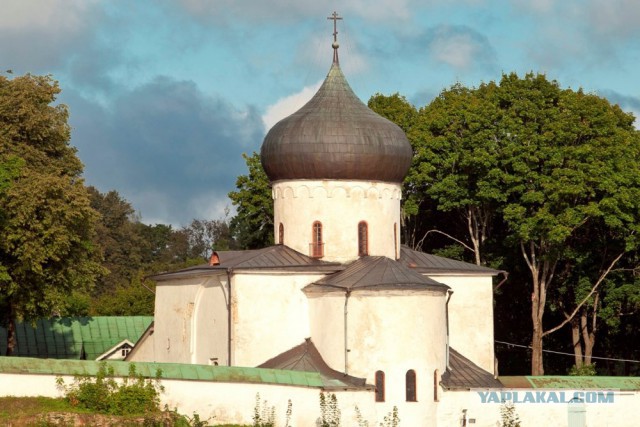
334	16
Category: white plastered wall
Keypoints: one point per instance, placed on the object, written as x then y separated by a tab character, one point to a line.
471	317
339	206
391	331
191	320
269	314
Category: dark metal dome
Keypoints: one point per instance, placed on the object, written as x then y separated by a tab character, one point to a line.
336	136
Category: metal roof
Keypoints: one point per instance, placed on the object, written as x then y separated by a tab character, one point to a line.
336	136
74	337
226	374
306	358
433	264
376	273
571	382
463	374
272	257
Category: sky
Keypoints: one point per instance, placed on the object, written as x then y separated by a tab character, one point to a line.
165	95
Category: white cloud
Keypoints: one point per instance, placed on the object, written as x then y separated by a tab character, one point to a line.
48	16
288	105
459	47
290	10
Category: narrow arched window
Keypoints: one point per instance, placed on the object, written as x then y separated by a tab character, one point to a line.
281	234
363	239
379	386
395	239
435	385
411	386
317	246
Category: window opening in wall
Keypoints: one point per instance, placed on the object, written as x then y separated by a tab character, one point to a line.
411	386
281	234
379	386
363	239
395	239
435	385
317	245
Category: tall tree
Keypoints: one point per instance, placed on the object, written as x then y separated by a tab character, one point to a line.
47	227
252	226
545	166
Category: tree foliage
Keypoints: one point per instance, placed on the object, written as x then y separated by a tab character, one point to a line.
532	169
47	224
252	226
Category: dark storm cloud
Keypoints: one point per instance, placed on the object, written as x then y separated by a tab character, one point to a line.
173	152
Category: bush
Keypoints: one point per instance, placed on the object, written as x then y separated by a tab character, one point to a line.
103	394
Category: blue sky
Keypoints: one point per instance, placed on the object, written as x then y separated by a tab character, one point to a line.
166	95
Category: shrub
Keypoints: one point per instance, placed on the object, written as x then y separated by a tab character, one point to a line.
104	394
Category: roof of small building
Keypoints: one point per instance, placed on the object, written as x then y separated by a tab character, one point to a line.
306	358
432	264
336	136
463	374
375	273
74	337
271	257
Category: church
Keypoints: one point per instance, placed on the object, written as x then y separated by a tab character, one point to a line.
338	294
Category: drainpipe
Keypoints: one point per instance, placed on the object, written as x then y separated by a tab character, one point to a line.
346	348
229	319
449	293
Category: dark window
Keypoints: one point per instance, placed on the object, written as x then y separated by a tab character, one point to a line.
395	239
379	386
411	386
435	385
281	234
363	239
317	246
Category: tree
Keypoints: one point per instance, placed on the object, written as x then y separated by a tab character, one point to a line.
252	226
47	225
538	168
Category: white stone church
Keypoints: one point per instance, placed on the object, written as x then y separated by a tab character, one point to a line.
339	295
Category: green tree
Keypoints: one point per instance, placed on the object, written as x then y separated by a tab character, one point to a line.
47	226
543	167
252	226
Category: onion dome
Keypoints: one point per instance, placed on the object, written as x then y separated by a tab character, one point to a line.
336	136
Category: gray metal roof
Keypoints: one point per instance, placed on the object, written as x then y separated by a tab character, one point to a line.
272	257
433	264
306	358
375	273
463	374
336	136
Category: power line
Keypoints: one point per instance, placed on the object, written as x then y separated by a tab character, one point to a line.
567	354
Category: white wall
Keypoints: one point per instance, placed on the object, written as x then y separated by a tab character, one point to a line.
235	402
339	206
391	331
624	412
269	315
471	317
191	320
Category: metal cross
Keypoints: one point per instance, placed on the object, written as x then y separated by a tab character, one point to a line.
334	16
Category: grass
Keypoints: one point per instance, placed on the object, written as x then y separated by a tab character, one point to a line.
30	411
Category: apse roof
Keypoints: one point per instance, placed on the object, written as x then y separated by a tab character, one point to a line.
336	136
464	374
376	273
432	264
306	358
271	257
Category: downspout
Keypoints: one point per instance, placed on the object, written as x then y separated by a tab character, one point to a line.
229	319
346	348
449	293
